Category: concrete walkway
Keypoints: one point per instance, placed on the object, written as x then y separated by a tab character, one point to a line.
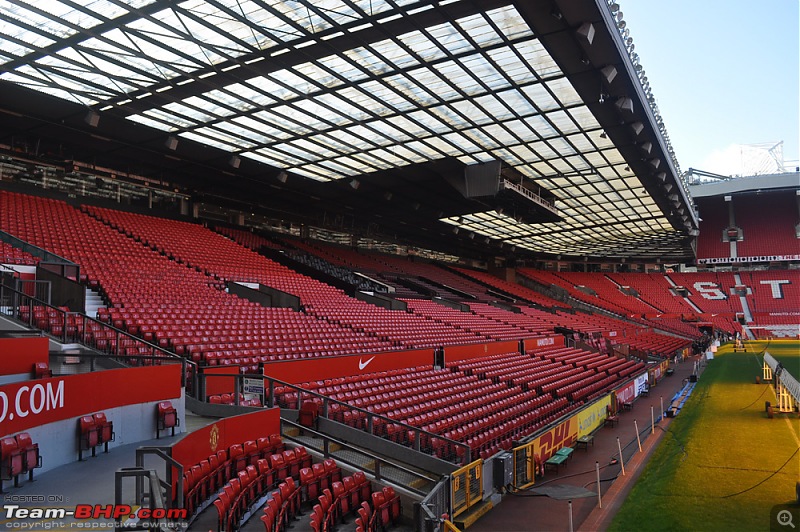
528	512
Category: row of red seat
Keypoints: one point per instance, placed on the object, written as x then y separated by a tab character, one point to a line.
18	455
353	495
205	478
230	399
240	493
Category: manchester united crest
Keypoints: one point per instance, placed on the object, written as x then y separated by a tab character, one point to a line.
213	438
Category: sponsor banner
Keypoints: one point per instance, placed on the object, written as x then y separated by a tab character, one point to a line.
754	258
18	355
532	344
28	404
201	443
313	369
563	434
657	372
594	416
627	393
220	385
642	382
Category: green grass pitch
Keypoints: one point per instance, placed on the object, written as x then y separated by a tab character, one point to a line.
723	464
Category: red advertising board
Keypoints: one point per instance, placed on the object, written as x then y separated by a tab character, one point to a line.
220	385
626	393
314	369
28	404
466	352
221	434
18	355
533	344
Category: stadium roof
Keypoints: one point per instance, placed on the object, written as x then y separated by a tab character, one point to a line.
364	111
788	181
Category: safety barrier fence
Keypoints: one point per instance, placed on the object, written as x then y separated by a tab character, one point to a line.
466	487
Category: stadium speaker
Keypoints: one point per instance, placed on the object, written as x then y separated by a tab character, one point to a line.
478	180
692	378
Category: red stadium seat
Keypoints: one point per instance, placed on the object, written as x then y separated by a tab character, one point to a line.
166	418
88	435
12	460
105	429
30	453
41	370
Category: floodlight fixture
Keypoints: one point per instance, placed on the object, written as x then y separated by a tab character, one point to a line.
609	73
625	104
587	31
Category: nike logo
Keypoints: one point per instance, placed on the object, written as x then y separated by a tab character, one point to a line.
362	365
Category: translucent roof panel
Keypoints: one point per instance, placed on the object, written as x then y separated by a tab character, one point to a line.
331	89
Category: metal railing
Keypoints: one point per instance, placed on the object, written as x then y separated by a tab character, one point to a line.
380	468
428	512
36	251
173	476
74	327
153	497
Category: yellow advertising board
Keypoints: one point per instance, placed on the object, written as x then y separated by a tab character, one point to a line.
592	417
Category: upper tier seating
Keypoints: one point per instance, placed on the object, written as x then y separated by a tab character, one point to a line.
340	272
767	235
170	303
468	321
512	288
714	215
653	289
247	239
375	328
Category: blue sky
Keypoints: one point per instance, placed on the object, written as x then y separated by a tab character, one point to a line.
724	73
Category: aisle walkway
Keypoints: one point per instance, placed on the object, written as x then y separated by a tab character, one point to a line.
87	482
525	511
